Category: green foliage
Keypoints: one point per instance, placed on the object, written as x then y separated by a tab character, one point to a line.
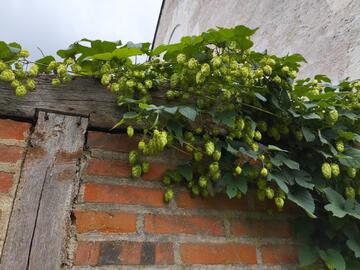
243	119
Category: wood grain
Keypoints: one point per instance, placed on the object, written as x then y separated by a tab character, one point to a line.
38	225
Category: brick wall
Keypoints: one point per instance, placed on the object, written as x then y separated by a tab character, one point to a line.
123	221
13	140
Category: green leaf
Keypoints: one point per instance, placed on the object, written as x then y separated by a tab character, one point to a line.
186	171
119	123
350	158
309	136
307	255
188	112
44	62
303	198
291	164
354	246
171	110
226	117
130	115
177	129
311	116
333	258
303	179
280	181
261	97
275	148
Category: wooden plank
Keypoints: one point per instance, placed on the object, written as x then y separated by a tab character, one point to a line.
82	96
37	228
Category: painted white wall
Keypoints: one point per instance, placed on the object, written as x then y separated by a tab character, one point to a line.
326	32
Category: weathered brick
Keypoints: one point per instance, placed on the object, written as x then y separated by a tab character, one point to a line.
210	253
260	228
13	129
112	142
279	254
87	253
183	224
10	154
135	253
6	181
131	253
220	202
114	168
105	222
164	253
156	172
123	194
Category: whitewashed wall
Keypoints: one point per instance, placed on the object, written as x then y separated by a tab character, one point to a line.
326	32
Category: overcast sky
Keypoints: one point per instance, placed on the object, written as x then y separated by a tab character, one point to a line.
54	24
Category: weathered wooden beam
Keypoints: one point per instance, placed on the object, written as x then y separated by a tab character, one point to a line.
82	96
49	177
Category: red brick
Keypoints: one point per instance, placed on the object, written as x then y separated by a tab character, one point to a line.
209	253
164	253
6	181
10	154
105	222
10	129
130	253
220	202
135	253
87	253
260	228
279	254
156	172
114	168
123	195
112	142
183	224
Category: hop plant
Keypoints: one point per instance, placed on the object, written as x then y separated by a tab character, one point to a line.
181	58
238	170
350	193
3	66
270	193
351	172
30	84
21	91
279	202
198	156
335	169
216	155
169	195
192	63
55	82
24	53
136	171
326	170
7	75
264	172
133	157
34	70
145	166
340	146
209	148
130	131
203	181
105	79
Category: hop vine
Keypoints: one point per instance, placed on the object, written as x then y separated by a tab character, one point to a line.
242	119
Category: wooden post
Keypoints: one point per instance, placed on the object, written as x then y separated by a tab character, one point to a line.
38	226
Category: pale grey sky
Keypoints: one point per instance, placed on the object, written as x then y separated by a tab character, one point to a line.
54	24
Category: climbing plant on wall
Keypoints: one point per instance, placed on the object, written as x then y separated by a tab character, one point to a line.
242	118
